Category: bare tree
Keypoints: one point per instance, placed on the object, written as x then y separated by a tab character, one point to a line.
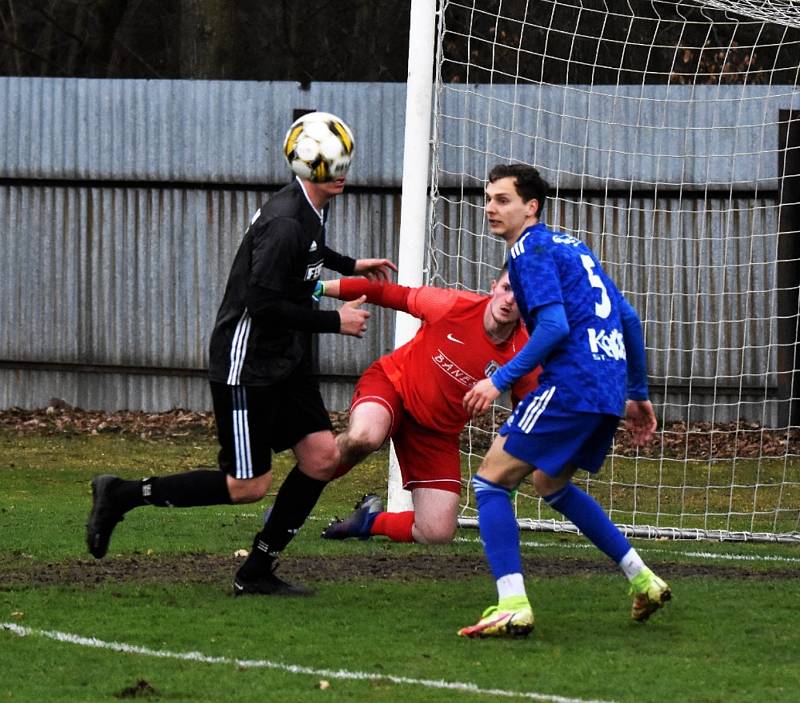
58	37
550	41
207	34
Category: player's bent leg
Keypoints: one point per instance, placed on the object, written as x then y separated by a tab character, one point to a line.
498	475
112	497
296	498
318	455
546	485
435	515
649	591
317	458
583	511
367	430
249	490
433	520
500	467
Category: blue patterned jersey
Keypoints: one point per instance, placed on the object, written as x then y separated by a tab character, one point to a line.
588	368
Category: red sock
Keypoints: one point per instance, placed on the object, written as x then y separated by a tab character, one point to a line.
395	526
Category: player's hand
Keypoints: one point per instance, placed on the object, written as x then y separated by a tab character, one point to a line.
640	421
352	319
375	269
480	397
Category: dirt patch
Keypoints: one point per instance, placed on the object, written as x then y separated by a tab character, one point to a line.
218	570
677	440
141	689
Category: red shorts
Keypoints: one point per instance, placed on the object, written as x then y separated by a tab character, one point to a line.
428	458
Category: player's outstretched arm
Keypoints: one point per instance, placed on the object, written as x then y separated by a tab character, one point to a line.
383	293
640	420
330	289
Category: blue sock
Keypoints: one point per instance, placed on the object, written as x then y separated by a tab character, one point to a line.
587	515
498	527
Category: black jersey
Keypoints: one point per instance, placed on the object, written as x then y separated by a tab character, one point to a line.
264	324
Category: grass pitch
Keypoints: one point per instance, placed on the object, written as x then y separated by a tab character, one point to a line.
155	620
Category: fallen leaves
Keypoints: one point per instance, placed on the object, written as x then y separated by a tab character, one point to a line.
676	440
63	419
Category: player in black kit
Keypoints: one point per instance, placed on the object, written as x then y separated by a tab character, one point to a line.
265	398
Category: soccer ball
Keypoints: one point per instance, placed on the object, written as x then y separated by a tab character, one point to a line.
318	147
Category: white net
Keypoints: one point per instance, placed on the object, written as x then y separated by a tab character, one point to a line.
670	135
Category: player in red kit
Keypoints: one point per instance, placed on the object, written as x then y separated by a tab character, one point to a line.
415	396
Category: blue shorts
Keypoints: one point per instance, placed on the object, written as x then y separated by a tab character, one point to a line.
549	437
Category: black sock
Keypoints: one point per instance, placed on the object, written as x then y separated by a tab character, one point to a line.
200	487
126	494
295	500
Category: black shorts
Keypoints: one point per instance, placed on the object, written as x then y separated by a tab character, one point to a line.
254	421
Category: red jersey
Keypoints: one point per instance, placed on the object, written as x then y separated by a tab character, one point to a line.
449	354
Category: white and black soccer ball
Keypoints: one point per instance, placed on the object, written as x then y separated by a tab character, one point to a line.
318	147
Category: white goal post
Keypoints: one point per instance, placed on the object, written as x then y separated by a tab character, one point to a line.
414	206
670	135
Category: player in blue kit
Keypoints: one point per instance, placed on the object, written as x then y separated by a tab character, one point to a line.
588	339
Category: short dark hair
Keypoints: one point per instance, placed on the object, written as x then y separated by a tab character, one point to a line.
527	181
503	271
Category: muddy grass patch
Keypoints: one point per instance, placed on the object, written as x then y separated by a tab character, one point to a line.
24	572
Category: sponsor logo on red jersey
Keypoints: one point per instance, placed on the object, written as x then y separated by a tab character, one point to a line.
453	370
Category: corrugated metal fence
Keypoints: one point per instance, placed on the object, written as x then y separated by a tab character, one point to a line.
122	204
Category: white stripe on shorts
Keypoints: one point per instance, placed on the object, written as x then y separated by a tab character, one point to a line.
241	434
419	483
239	349
535	409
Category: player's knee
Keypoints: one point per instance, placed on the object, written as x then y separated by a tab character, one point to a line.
362	440
435	531
249	490
324	465
547	485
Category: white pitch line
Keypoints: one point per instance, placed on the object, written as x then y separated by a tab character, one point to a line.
654	550
463	687
729	557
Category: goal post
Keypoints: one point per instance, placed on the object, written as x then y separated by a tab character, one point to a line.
658	126
414	206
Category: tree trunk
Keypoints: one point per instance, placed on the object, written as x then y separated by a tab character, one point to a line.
207	39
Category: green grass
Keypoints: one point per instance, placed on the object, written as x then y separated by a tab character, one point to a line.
582	647
726	636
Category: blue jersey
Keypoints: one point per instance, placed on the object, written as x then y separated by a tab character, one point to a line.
587	369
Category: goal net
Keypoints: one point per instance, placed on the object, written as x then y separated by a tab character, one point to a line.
669	133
